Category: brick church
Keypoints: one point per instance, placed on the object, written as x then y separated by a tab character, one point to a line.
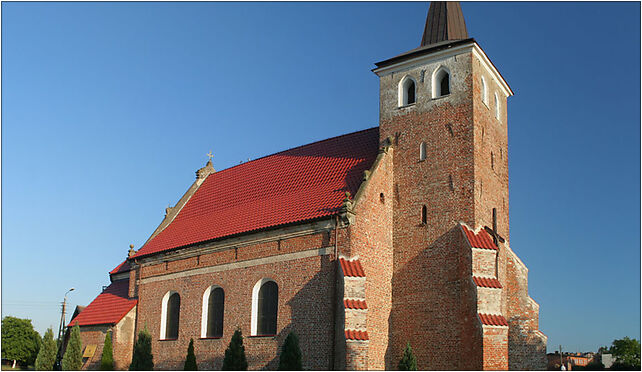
360	243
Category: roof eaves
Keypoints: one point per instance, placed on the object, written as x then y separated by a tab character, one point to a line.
248	232
417	52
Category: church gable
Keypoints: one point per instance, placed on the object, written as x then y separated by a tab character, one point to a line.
300	184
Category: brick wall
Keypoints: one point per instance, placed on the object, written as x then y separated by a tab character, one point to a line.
495	348
429	293
370	239
491	136
122	342
93	335
527	345
305	305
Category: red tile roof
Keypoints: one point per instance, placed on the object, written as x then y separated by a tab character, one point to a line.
300	184
493	320
487	282
351	334
352	268
480	240
109	307
123	267
355	304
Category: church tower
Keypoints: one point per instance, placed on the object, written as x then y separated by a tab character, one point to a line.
443	108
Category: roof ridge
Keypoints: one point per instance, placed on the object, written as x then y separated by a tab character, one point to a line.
296	147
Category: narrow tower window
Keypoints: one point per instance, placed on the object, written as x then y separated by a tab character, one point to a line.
407	91
410	91
424	215
440	82
496	106
445	85
492	160
422	151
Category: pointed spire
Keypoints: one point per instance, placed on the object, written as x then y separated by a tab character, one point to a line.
445	22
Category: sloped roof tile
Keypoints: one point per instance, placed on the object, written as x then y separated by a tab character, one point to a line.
493	320
123	267
481	240
300	184
355	304
351	268
487	282
109	307
352	334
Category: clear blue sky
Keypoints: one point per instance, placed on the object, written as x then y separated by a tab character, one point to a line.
109	108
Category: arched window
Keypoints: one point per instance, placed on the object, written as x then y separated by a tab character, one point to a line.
407	91
440	82
424	215
170	315
422	151
265	301
484	91
496	106
212	318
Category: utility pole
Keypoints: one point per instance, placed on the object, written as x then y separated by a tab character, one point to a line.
61	329
561	362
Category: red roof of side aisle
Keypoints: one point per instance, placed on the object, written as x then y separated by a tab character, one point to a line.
123	267
300	184
109	307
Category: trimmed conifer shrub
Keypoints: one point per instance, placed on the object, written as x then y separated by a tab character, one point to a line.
408	361
235	354
107	360
291	357
72	360
190	360
142	360
47	354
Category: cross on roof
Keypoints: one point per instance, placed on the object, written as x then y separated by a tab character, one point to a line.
209	155
493	232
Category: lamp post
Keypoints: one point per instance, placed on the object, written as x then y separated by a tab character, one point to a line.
62	316
62	327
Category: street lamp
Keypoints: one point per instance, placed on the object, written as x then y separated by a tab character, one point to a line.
62	321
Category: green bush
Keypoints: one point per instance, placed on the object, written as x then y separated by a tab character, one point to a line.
190	360
142	360
235	354
47	354
72	360
291	358
408	361
19	340
107	360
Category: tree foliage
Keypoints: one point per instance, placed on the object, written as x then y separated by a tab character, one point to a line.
190	360
291	358
235	354
107	359
20	341
47	354
595	365
626	352
142	360
72	360
408	361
